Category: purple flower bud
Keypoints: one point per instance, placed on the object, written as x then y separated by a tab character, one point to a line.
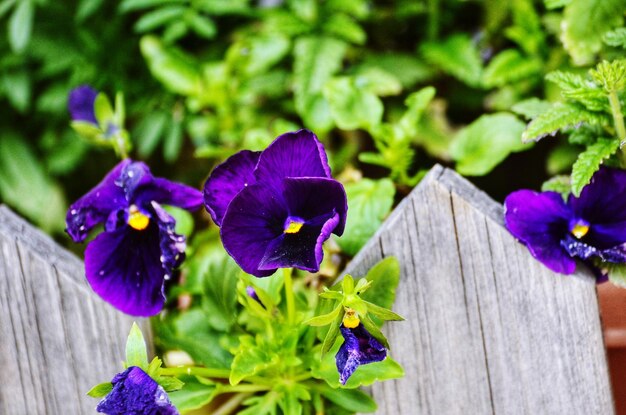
359	348
81	104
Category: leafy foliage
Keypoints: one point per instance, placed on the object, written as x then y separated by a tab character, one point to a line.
589	162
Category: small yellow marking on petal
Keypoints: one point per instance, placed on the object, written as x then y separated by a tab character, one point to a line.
350	319
580	230
294	227
137	220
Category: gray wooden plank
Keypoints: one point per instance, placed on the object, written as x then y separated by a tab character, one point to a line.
58	338
489	329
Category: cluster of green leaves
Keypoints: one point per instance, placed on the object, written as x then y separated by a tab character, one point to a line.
249	352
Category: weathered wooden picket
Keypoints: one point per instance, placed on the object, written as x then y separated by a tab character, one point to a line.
489	330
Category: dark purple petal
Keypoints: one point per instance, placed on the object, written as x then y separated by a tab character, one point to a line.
170	193
134	175
303	249
136	393
171	244
124	268
296	154
603	204
227	180
578	248
359	348
253	219
81	104
96	206
540	221
309	198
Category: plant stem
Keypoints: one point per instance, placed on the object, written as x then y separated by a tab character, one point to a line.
231	404
618	121
433	19
289	297
196	371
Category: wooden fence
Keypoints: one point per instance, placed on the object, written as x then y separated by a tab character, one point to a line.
489	329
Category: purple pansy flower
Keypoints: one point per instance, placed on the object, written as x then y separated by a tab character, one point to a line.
277	207
136	393
128	263
81	104
586	227
359	348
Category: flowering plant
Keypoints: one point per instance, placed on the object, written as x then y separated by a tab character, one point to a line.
257	341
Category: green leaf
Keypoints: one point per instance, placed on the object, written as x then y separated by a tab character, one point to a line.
136	353
133	5
364	375
249	360
486	142
173	141
255	55
353	400
325	319
169	383
559	184
408	69
149	131
103	110
159	17
352	106
202	25
616	38
457	56
17	88
555	4
261	405
370	201
171	67
617	273
184	220
561	158
87	8
383	313
345	27
21	25
316	59
416	103
384	277
589	162
22	174
332	334
193	395
558	117
531	108
101	390
219	301
377	81
584	24
509	66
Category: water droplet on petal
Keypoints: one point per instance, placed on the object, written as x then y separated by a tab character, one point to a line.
73	211
101	272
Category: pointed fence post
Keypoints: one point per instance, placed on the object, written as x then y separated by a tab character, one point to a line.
489	329
57	338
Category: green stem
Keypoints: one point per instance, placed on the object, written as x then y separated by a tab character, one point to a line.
196	371
291	305
243	387
231	404
618	121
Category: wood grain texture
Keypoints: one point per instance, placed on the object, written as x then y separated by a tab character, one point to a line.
489	329
58	338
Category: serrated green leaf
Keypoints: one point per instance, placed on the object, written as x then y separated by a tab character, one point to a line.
370	201
457	56
249	360
589	162
486	142
558	117
584	24
136	352
325	319
509	66
101	390
616	38
352	400
567	80
21	25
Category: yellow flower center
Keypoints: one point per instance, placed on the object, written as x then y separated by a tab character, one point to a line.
136	219
294	227
351	319
580	230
